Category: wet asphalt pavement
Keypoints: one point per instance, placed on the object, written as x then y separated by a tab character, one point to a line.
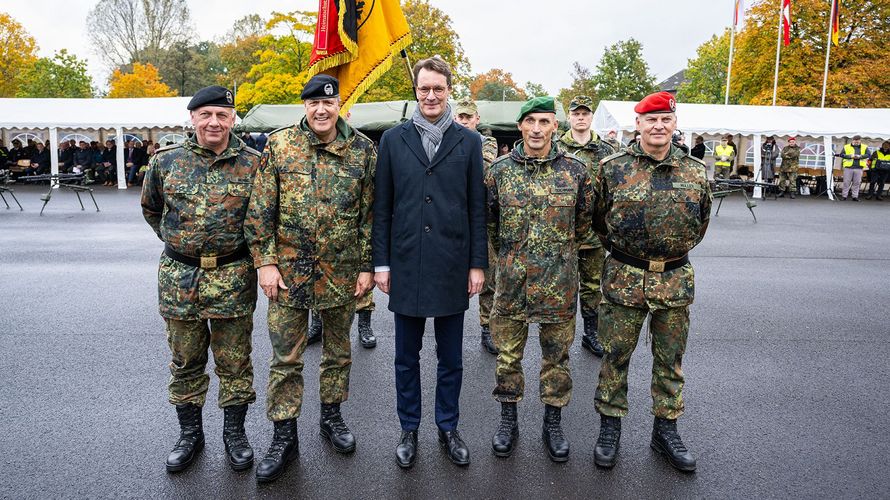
786	367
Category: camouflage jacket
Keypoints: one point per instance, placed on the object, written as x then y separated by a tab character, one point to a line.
790	158
653	210
538	210
196	202
591	154
489	150
310	213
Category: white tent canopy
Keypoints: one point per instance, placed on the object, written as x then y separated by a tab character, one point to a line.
758	121
118	114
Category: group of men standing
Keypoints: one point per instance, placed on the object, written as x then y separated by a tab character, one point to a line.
431	219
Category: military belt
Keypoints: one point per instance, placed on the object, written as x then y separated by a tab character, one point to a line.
207	262
656	266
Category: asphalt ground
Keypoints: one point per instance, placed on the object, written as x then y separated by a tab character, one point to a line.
786	370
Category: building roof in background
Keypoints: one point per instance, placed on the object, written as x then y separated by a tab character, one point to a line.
672	83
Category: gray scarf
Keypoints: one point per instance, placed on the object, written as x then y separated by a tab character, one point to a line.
431	133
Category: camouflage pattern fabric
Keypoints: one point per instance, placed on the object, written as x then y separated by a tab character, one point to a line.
788	169
616	146
310	213
539	211
287	330
556	379
486	296
619	332
365	302
591	154
196	201
590	269
653	210
489	151
229	340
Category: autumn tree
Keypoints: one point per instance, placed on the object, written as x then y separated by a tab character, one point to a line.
128	31
188	68
240	50
857	69
533	89
432	34
582	84
63	75
706	74
496	85
144	81
18	51
622	74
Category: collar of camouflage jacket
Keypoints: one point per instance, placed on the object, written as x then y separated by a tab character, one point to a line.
673	158
570	141
235	146
535	163
340	143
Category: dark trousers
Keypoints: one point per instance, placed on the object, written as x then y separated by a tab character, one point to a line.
877	177
449	375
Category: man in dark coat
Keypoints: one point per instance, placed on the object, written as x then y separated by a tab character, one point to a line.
429	249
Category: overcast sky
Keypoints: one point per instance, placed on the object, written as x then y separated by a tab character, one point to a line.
533	39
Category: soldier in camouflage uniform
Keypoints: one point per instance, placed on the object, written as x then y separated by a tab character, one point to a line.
539	200
612	140
652	206
583	143
195	198
467	114
788	169
309	231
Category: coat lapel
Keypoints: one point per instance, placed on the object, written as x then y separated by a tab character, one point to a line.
451	138
412	137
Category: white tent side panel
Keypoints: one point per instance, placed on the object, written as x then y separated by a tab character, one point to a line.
147	112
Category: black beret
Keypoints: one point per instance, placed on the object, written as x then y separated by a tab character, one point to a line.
321	86
213	95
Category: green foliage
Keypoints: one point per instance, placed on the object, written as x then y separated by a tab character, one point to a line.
706	74
63	75
18	51
496	85
188	68
534	90
622	74
582	84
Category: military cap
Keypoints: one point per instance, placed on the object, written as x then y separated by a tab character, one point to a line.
542	104
321	86
213	95
659	102
466	107
581	101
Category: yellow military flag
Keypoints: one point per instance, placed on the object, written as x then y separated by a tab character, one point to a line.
355	41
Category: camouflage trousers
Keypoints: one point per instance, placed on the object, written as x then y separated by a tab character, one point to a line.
787	180
229	340
510	336
590	270
365	302
722	171
619	331
287	330
486	296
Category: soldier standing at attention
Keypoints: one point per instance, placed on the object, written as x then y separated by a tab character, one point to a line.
612	140
652	204
788	168
195	198
309	231
467	114
538	200
583	143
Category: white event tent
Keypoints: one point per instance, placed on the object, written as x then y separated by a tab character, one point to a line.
117	114
758	121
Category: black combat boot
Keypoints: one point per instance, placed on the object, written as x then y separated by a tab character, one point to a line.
504	438
314	334
487	343
457	450
605	453
781	194
334	428
589	340
191	438
791	195
284	448
666	440
238	450
554	439
406	451
365	333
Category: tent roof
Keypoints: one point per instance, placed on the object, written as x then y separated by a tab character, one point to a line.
379	116
749	120
146	112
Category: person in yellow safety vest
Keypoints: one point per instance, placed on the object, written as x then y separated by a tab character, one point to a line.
724	154
880	171
855	155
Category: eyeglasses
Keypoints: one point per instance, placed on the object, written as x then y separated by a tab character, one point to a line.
425	91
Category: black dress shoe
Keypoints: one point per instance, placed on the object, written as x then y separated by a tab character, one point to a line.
365	333
555	441
334	428
486	341
605	454
457	450
191	438
238	449
285	447
666	440
504	439
406	451
855	199
315	326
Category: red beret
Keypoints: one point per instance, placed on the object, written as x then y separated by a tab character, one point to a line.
659	102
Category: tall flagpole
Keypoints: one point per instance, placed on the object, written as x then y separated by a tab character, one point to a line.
729	69
778	50
828	51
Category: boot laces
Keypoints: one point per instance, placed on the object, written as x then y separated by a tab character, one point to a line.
673	440
337	424
505	428
608	436
280	441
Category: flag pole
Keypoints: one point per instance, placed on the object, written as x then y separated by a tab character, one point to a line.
404	55
778	50
729	69
828	51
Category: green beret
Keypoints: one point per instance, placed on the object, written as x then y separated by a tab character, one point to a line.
542	104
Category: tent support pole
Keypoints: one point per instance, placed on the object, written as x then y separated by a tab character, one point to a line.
829	166
121	168
54	153
758	165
